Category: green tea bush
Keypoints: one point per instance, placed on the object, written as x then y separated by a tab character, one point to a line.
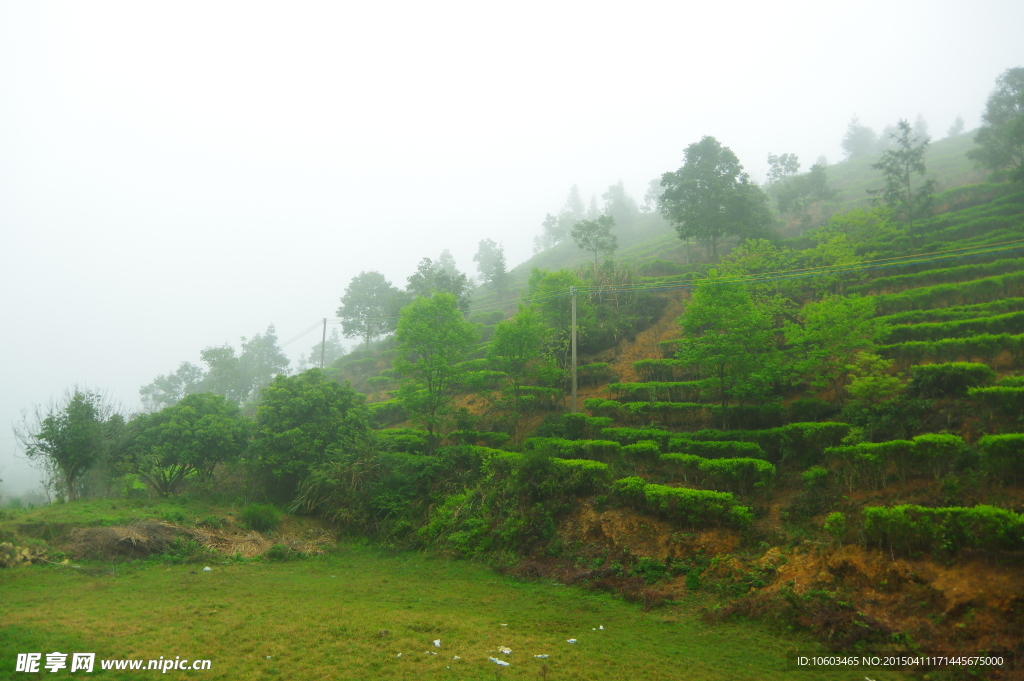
811	409
661	369
952	379
408	440
279	553
690	506
598	450
387	413
955	313
685	466
1003	456
645	453
795	444
629	436
572	426
938	454
944	295
713	449
869	464
737	475
1012	323
984	346
481	438
595	374
909	528
663	391
939	276
815	477
1011	382
261	517
1001	399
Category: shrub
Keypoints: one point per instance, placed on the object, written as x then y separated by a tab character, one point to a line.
1001	399
868	464
937	453
279	553
942	295
738	475
629	436
408	440
956	313
811	409
835	525
668	391
687	466
940	276
953	379
212	522
815	477
716	449
480	438
1003	456
599	450
595	374
690	506
983	346
1012	322
387	413
175	516
911	528
645	452
261	517
1011	382
661	369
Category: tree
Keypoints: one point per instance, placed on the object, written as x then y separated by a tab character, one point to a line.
302	421
490	262
168	389
957	128
517	350
710	197
368	307
899	165
729	341
782	167
859	140
188	439
827	337
1000	139
261	359
433	339
331	349
795	194
620	206
431	277
596	235
66	437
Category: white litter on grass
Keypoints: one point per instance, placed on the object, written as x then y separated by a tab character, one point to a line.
601	627
398	655
498	662
542	657
502	625
593	628
456	658
503	649
207	569
269	656
571	640
437	643
430	652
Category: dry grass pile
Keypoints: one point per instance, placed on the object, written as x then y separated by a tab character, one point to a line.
143	539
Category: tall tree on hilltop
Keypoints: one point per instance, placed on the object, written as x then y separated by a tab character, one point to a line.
1000	139
490	262
899	166
431	277
710	197
860	140
368	307
596	236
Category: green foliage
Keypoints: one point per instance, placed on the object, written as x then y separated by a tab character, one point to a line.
710	197
67	437
596	236
796	444
835	525
1000	139
911	528
938	454
279	553
660	369
490	262
407	440
955	313
1003	456
715	449
300	420
945	275
982	346
952	379
727	338
188	439
629	436
595	373
387	413
261	517
1001	399
943	295
667	391
680	504
899	165
493	440
874	464
518	352
1012	322
369	308
645	453
742	475
433	339
815	477
598	450
685	466
573	426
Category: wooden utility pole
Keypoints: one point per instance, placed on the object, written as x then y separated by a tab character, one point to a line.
572	290
323	344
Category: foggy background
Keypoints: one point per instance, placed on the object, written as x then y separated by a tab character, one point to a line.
174	177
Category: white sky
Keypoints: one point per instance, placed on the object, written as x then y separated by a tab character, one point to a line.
177	175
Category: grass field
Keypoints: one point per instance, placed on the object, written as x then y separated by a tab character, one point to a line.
322	618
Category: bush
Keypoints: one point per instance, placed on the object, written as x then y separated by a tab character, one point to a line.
956	313
1012	322
943	295
1003	400
387	413
953	379
212	522
279	553
261	517
811	409
951	529
835	525
690	506
868	464
716	449
738	475
645	452
629	436
1011	382
661	369
408	440
668	391
687	466
1003	456
983	346
938	453
595	374
815	477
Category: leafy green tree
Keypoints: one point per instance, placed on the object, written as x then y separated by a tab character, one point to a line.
549	290
957	128
490	262
1000	139
260	360
796	194
223	374
782	167
331	348
899	166
620	206
66	437
827	337
431	277
596	236
710	197
728	340
433	339
168	389
517	350
859	140
302	421
369	308
186	440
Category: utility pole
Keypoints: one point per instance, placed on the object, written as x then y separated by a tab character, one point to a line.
572	290
323	344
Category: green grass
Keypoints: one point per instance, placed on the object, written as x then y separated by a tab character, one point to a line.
46	522
321	618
